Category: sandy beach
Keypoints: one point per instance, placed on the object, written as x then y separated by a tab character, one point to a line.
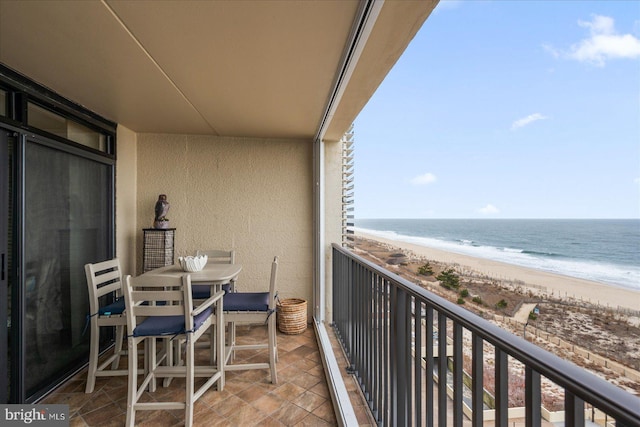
555	284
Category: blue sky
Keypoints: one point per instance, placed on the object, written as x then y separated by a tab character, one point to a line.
507	109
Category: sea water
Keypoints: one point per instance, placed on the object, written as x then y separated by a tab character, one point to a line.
602	250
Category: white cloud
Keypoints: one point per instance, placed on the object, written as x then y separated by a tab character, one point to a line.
637	180
425	179
556	53
527	120
489	209
602	45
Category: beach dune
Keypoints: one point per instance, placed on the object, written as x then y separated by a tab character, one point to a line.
556	284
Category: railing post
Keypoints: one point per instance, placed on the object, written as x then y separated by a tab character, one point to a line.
573	410
417	362
429	365
532	398
350	327
477	385
442	369
400	342
458	366
386	353
502	388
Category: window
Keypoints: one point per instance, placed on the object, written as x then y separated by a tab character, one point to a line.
58	125
3	103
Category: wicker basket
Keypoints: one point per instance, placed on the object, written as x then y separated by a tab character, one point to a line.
292	316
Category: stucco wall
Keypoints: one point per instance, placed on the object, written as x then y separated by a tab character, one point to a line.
126	177
333	214
247	194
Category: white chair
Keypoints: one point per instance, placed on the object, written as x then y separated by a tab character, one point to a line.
218	256
202	292
253	307
215	256
161	307
105	278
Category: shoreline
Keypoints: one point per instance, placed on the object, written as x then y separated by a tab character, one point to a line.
555	284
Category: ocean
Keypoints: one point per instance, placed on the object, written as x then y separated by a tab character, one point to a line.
601	250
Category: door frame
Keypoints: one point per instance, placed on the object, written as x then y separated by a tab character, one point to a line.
4	264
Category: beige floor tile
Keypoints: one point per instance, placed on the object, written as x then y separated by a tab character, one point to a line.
301	396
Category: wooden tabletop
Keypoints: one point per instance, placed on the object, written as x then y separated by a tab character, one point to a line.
217	274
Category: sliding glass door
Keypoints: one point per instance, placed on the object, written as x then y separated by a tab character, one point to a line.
67	217
56	215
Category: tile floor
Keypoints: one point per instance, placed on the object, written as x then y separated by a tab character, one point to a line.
301	397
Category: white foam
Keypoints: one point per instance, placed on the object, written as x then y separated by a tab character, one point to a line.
618	275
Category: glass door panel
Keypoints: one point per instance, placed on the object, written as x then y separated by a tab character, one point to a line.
66	225
7	142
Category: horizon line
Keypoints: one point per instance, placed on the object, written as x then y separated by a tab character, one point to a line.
510	218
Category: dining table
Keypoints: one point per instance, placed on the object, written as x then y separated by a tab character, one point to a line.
214	274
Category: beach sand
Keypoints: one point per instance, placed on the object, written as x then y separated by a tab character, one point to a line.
552	284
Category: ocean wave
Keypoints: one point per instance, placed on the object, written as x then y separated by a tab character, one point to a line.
518	251
618	275
545	254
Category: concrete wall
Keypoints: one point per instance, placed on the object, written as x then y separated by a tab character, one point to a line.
333	214
248	194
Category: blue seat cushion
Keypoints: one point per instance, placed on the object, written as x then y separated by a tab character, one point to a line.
116	307
246	301
168	325
204	291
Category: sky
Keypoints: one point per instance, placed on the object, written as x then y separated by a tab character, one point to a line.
507	109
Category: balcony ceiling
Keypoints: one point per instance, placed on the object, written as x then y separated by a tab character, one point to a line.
230	68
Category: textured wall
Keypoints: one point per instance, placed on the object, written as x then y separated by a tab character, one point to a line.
333	214
126	179
247	194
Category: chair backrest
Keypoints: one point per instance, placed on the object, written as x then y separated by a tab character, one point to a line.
154	296
103	278
216	256
272	284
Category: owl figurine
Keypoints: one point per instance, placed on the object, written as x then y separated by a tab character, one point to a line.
161	209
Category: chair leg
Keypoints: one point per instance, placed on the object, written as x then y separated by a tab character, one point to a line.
274	332
94	349
271	331
117	347
220	348
132	382
145	357
212	345
189	381
169	353
232	339
153	362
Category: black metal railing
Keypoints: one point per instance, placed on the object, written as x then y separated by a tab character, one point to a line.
401	339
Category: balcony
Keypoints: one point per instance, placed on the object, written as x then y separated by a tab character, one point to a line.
388	355
242	136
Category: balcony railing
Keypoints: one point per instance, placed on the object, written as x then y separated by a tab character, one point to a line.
400	339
